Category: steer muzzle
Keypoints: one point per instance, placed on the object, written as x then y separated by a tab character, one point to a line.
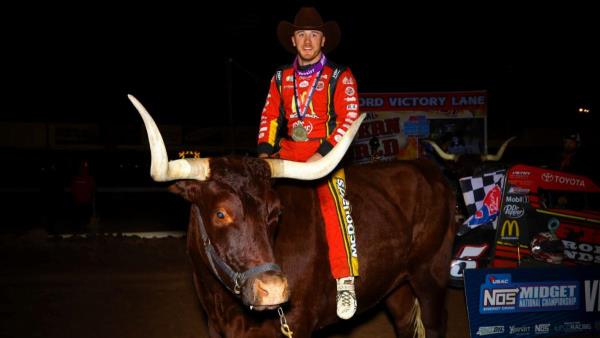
266	291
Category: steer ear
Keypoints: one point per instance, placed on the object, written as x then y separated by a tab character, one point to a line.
187	189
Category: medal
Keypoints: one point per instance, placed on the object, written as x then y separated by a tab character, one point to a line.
299	134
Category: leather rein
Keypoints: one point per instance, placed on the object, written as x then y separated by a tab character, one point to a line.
237	279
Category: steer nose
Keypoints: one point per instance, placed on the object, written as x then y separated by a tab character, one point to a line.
262	289
270	290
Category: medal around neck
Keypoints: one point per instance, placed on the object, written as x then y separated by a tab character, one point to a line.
311	69
299	134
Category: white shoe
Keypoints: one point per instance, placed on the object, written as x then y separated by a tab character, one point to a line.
346	298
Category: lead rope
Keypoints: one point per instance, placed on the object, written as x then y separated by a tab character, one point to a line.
285	329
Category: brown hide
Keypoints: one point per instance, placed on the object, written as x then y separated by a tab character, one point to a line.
403	213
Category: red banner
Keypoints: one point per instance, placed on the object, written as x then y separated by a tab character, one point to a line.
440	101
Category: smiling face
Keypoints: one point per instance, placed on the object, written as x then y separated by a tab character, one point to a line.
308	45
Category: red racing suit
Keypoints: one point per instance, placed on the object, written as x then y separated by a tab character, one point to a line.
331	111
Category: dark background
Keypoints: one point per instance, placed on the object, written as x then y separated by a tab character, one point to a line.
78	64
209	65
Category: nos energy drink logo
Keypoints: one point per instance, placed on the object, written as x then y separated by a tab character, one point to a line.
500	295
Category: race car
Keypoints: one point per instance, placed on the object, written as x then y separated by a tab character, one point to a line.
541	217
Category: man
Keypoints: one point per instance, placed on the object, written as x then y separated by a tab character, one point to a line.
310	106
83	187
573	160
570	159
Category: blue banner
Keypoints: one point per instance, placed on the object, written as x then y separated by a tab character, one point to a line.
524	302
416	126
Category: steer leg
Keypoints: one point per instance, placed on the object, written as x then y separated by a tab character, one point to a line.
212	331
405	317
431	293
429	281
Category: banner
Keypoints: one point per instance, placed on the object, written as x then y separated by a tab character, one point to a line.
526	302
458	104
396	121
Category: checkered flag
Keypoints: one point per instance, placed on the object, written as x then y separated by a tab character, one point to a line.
475	188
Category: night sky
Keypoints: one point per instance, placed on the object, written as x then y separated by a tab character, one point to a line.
77	64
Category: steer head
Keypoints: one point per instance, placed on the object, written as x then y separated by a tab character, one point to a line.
461	165
235	211
239	210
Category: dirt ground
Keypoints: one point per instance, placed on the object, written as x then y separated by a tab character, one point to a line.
125	287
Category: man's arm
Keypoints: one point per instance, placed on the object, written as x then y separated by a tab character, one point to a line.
270	119
346	109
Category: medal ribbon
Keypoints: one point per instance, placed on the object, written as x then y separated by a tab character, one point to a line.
302	113
310	70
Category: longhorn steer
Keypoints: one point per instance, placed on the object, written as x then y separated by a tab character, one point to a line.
256	243
461	165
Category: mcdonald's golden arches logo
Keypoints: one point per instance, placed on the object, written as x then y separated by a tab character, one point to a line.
513	229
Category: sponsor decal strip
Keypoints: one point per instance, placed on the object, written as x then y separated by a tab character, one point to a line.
507	256
511	248
542	211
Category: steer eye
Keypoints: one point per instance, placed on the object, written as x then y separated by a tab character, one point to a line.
221	217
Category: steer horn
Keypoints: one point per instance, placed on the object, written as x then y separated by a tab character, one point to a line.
162	169
500	152
444	155
317	169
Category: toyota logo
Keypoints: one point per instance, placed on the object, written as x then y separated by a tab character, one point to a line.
547	177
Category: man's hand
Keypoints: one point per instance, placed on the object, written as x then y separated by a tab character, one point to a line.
314	157
263	155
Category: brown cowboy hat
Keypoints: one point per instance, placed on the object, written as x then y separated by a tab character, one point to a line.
309	18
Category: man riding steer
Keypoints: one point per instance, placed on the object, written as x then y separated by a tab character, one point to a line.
256	240
315	101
